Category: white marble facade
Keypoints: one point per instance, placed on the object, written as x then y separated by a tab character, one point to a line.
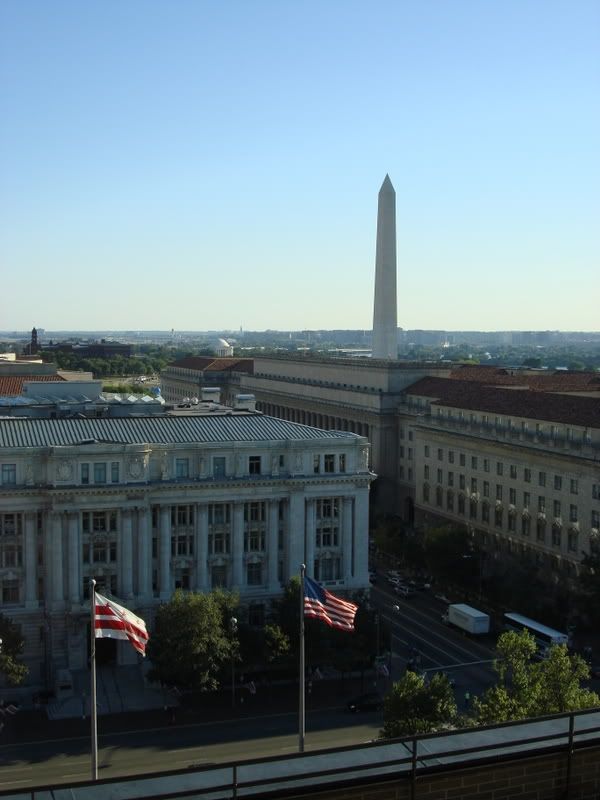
146	518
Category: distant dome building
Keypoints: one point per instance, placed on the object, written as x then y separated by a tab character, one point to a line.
221	348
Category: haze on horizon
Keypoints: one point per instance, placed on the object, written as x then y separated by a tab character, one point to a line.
202	166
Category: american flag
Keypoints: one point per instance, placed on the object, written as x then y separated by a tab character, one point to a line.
321	604
112	621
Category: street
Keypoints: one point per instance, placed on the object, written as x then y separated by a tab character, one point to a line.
171	748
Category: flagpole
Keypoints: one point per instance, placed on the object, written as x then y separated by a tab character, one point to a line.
302	708
93	686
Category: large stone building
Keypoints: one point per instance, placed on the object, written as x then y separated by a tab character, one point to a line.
195	499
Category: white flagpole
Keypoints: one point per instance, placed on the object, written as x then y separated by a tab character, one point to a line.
302	708
93	687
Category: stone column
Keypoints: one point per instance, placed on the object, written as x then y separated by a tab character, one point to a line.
361	537
201	547
309	542
56	560
295	535
144	553
126	554
273	545
237	546
74	559
347	540
165	553
31	600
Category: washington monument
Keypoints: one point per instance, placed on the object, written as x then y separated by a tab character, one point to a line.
385	312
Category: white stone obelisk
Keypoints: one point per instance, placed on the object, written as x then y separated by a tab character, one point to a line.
385	311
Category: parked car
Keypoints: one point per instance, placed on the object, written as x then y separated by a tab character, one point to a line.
365	702
404	591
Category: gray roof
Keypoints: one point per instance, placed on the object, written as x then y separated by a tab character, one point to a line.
20	432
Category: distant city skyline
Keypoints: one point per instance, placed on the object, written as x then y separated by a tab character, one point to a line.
204	166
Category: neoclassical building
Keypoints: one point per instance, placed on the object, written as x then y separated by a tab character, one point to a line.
148	504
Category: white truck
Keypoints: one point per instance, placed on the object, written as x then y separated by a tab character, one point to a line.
466	618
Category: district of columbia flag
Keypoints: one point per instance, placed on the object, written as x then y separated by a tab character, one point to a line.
112	621
321	604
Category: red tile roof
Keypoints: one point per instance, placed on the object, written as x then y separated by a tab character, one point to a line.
12	385
526	403
542	381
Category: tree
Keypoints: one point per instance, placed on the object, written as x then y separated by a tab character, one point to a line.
414	707
11	651
528	687
192	640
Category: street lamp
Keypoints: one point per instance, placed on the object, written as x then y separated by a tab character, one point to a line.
233	626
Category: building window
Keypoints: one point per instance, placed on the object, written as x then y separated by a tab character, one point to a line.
512	524
426	472
473	462
512	496
461	482
541	504
513	472
527	475
254	465
440	454
410	436
486	465
439	496
410	453
254	574
557	483
451	456
556	508
573	513
182	516
219	514
401	451
542	479
540	533
462	459
218	542
450	500
425	492
114	472
596	491
526	499
473	485
342	462
461	504
218	577
426	451
219	467
410	474
498	517
498	491
316	464
328	569
574	486
485	512
596	519
10	592
499	468
99	473
486	488
473	509
525	526
556	535
9	474
329	462
450	479
182	468
440	476
85	473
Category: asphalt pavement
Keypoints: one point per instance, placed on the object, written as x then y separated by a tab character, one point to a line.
34	725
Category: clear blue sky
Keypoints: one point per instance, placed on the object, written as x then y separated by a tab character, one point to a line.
195	164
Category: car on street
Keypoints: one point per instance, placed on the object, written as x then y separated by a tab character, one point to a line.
365	702
404	591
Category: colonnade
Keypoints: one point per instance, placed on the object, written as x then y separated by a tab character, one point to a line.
314	419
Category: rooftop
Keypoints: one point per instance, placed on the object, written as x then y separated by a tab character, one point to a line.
223	427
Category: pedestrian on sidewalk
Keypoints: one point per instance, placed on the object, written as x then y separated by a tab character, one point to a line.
467	699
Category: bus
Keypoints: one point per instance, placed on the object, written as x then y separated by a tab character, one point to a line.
544	636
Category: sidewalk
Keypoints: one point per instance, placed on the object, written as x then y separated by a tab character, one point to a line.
30	725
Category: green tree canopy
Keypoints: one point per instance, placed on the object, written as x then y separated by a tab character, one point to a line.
414	707
529	687
11	651
192	640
